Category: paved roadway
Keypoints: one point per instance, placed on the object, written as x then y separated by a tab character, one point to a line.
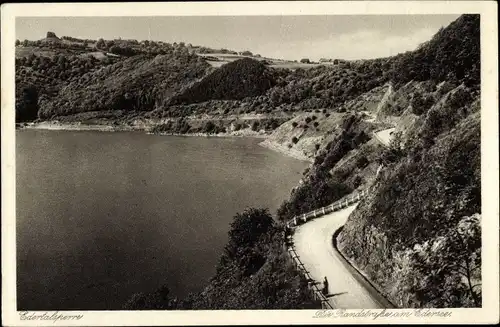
313	243
385	136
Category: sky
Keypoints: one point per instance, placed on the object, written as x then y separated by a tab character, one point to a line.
286	37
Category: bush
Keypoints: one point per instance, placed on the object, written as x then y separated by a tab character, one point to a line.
308	120
316	124
294	124
357	181
362	162
209	127
246	229
318	191
421	104
295	140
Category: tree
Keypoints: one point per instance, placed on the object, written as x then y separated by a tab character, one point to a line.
452	266
209	127
18	42
27	104
246	229
100	44
305	61
394	152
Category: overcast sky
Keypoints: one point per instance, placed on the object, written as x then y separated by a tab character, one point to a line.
287	37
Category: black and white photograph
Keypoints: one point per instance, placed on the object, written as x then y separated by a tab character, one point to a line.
324	164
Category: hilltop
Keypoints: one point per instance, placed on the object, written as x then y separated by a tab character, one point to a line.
415	232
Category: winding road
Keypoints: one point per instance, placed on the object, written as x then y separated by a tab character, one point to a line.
385	136
313	244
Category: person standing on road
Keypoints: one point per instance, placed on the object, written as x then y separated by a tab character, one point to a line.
325	286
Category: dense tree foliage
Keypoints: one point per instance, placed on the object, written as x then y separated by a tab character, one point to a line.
26	103
452	55
216	126
120	86
236	80
45	76
422	219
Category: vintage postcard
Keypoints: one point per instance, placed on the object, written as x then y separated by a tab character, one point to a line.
220	163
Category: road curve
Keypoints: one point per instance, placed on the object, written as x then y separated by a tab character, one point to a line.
385	136
313	244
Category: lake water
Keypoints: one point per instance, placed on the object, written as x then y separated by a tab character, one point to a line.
101	216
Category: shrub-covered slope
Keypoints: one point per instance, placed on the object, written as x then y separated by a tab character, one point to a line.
236	80
39	79
417	235
451	55
138	83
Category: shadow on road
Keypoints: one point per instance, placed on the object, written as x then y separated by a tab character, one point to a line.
335	294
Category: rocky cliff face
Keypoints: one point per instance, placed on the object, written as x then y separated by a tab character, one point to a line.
417	236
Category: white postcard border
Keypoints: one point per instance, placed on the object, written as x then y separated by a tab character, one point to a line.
489	313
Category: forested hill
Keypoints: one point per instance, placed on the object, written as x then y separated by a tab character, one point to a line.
62	76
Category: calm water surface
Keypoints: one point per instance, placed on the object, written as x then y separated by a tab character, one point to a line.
101	216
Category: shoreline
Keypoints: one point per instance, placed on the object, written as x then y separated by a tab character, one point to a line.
290	152
56	126
77	126
258	136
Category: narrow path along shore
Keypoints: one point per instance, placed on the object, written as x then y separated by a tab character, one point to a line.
313	244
